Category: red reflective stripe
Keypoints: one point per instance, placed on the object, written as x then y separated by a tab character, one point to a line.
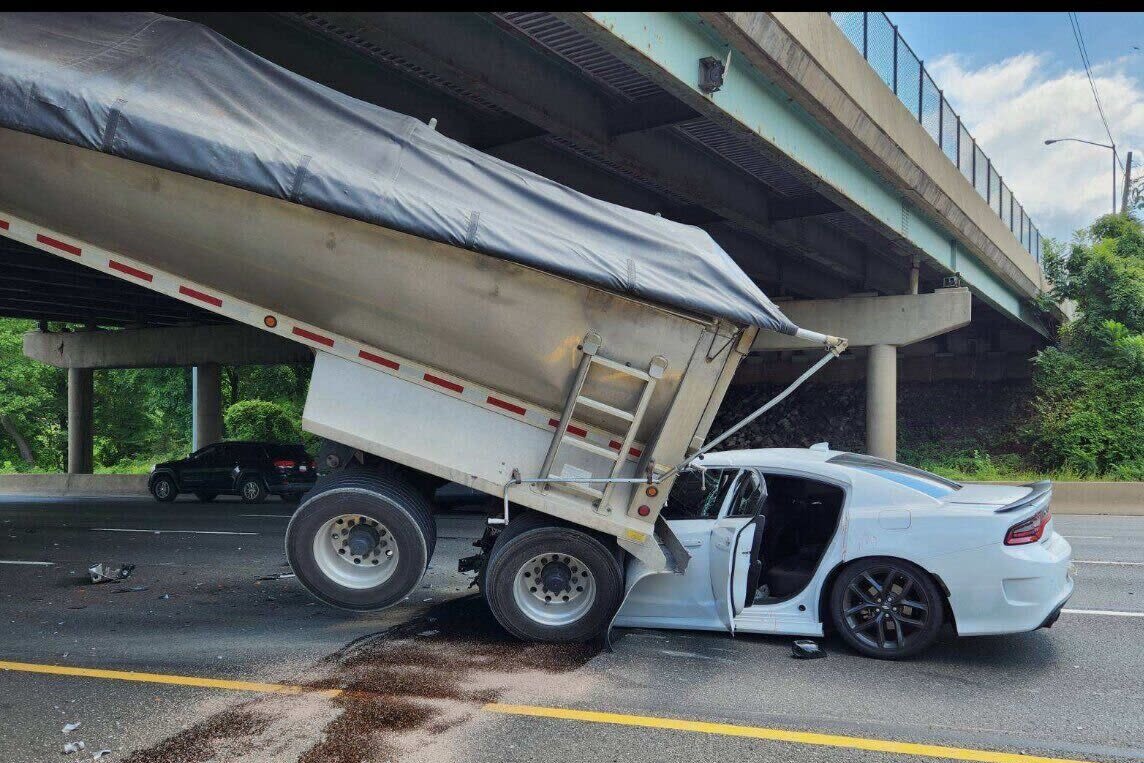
130	270
635	452
3	225
443	383
615	444
378	359
200	296
69	248
577	431
506	405
313	337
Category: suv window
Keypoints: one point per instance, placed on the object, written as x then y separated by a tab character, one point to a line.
917	479
698	494
248	452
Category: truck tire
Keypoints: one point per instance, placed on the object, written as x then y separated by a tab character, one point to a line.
361	540
547	581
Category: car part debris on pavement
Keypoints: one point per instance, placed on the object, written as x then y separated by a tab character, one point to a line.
100	753
70	727
102	572
805	649
70	747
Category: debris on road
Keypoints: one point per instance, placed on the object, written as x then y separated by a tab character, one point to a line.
806	649
102	572
70	727
277	576
100	753
70	747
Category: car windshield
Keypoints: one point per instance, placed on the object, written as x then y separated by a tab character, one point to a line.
917	479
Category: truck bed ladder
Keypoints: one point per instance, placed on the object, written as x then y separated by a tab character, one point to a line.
632	419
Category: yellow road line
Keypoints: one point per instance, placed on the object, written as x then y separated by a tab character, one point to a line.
161	678
777	735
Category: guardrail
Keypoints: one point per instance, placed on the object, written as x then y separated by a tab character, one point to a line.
891	57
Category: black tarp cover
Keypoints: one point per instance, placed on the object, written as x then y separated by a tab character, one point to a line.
177	95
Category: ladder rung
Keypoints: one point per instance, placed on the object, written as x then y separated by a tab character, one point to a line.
608	453
606	363
578	487
605	408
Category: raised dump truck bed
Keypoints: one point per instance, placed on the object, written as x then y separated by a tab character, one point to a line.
568	375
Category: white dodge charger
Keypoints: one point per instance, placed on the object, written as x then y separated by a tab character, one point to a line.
787	541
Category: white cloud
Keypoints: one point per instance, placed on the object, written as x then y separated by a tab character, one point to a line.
1012	106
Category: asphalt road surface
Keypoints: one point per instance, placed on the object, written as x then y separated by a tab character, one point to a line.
205	654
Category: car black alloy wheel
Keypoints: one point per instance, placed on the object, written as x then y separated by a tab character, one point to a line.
887	608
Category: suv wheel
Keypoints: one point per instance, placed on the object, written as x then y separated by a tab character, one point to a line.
252	490
163	488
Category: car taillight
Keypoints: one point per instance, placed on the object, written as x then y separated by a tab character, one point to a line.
1029	530
285	463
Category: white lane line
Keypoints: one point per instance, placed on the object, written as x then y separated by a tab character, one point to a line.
163	532
1117	564
33	564
279	516
1105	612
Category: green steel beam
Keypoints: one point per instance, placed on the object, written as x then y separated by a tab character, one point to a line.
672	43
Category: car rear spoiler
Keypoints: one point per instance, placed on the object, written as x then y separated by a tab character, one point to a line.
1042	489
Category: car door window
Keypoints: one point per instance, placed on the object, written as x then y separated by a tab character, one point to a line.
748	495
698	494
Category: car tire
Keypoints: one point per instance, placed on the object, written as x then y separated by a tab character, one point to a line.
392	509
580	582
164	489
896	626
206	497
251	489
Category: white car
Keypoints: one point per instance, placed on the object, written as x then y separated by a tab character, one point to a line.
786	541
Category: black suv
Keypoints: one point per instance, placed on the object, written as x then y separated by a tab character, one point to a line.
247	469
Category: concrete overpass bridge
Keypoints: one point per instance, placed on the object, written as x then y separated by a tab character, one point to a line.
816	150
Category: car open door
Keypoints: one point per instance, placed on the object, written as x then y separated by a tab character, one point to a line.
732	540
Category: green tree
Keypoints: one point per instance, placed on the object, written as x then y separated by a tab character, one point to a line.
33	405
1090	387
261	420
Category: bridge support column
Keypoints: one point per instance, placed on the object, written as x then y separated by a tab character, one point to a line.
206	404
882	401
81	392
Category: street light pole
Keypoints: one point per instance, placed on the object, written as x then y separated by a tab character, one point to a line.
1051	141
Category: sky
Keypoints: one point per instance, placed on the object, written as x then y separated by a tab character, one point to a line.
1017	79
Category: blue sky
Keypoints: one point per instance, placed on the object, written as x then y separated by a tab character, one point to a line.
1017	78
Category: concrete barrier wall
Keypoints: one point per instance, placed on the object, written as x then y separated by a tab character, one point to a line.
1124	498
73	484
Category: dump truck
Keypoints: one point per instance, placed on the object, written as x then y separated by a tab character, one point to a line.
471	321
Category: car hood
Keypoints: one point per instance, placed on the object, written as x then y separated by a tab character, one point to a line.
987	496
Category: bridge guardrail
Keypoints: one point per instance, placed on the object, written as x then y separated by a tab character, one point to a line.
891	57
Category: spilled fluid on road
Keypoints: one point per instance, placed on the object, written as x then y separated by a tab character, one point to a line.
401	688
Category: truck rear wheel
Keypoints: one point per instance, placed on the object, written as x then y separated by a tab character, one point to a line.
361	540
550	582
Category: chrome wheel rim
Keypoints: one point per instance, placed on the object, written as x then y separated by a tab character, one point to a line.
250	490
162	488
554	589
886	608
355	551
